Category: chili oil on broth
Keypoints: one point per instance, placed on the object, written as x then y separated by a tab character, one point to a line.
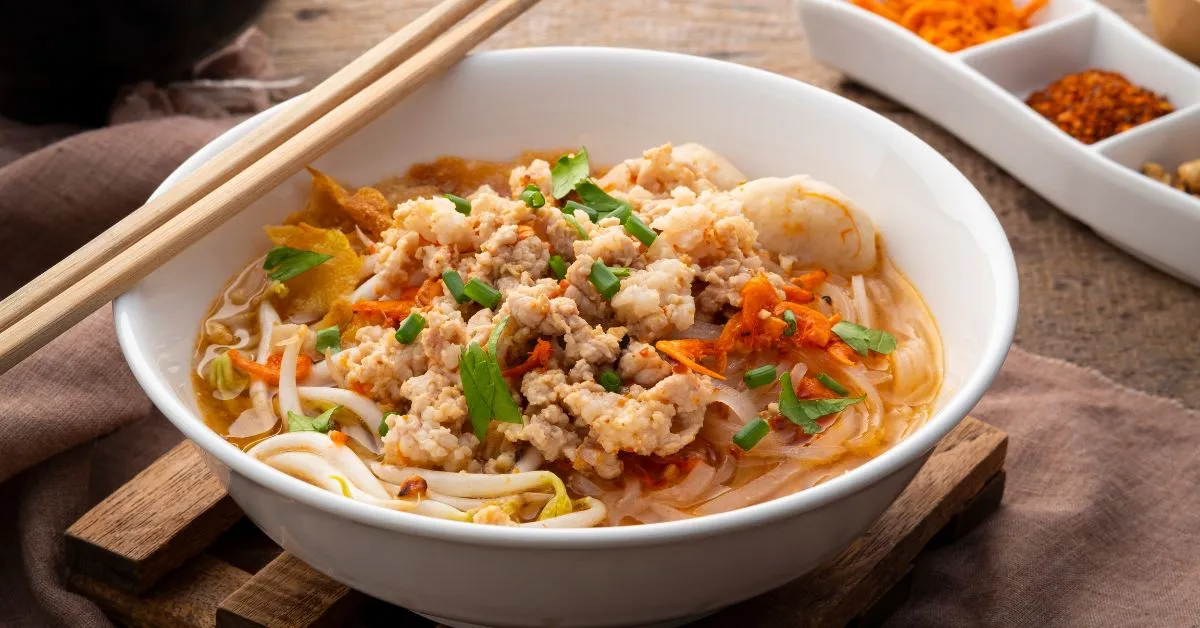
709	475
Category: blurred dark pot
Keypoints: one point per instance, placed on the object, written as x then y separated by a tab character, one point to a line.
64	60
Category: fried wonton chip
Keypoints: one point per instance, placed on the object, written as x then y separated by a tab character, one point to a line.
330	205
313	293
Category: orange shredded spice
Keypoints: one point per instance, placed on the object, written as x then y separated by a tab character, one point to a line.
396	310
537	359
338	438
953	25
760	325
269	372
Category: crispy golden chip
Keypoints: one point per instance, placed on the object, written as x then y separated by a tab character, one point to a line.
314	292
330	205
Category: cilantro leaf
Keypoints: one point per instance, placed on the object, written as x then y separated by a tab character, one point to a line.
596	198
322	423
805	412
284	262
486	391
864	339
567	171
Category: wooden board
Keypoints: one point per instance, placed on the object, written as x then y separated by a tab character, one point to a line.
131	541
163	516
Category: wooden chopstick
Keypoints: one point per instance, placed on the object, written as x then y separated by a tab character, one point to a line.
331	92
135	262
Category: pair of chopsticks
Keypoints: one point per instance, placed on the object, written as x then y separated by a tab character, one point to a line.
345	102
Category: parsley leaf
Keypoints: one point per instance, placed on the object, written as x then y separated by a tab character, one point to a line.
864	339
284	262
805	412
596	198
322	423
486	391
567	171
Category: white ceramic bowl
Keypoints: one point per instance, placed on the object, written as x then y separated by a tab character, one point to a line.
616	102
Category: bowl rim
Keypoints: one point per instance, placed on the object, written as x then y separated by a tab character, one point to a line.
985	227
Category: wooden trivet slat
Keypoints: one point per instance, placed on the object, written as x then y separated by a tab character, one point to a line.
151	525
172	512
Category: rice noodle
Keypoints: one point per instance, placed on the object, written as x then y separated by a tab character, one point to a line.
530	460
263	418
699	330
339	456
289	397
754	491
368	413
861	304
319	375
688	491
739	402
469	484
592	514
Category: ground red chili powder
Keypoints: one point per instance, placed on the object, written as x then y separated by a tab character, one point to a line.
1095	104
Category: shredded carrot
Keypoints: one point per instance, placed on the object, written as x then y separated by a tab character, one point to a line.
810	280
525	231
391	311
563	284
797	295
688	352
757	295
429	290
269	372
359	388
537	359
953	25
841	352
811	326
338	438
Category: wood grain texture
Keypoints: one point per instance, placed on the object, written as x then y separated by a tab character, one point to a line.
834	594
153	524
289	594
187	598
1082	299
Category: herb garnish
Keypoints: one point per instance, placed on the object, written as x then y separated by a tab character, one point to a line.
284	262
567	171
486	391
461	205
751	433
864	339
329	338
322	423
832	384
596	198
532	196
805	412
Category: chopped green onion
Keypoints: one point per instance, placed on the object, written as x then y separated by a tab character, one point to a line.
383	426
640	230
322	423
567	171
462	205
620	271
622	214
410	328
864	339
832	384
805	412
482	293
329	338
284	262
593	196
604	280
789	317
751	433
760	376
575	223
558	266
454	284
571	206
610	381
532	196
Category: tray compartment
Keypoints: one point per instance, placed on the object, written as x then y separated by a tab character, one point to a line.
1022	64
1168	141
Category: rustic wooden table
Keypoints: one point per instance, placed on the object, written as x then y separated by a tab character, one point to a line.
1081	299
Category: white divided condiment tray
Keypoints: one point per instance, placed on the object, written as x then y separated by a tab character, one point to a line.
979	95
